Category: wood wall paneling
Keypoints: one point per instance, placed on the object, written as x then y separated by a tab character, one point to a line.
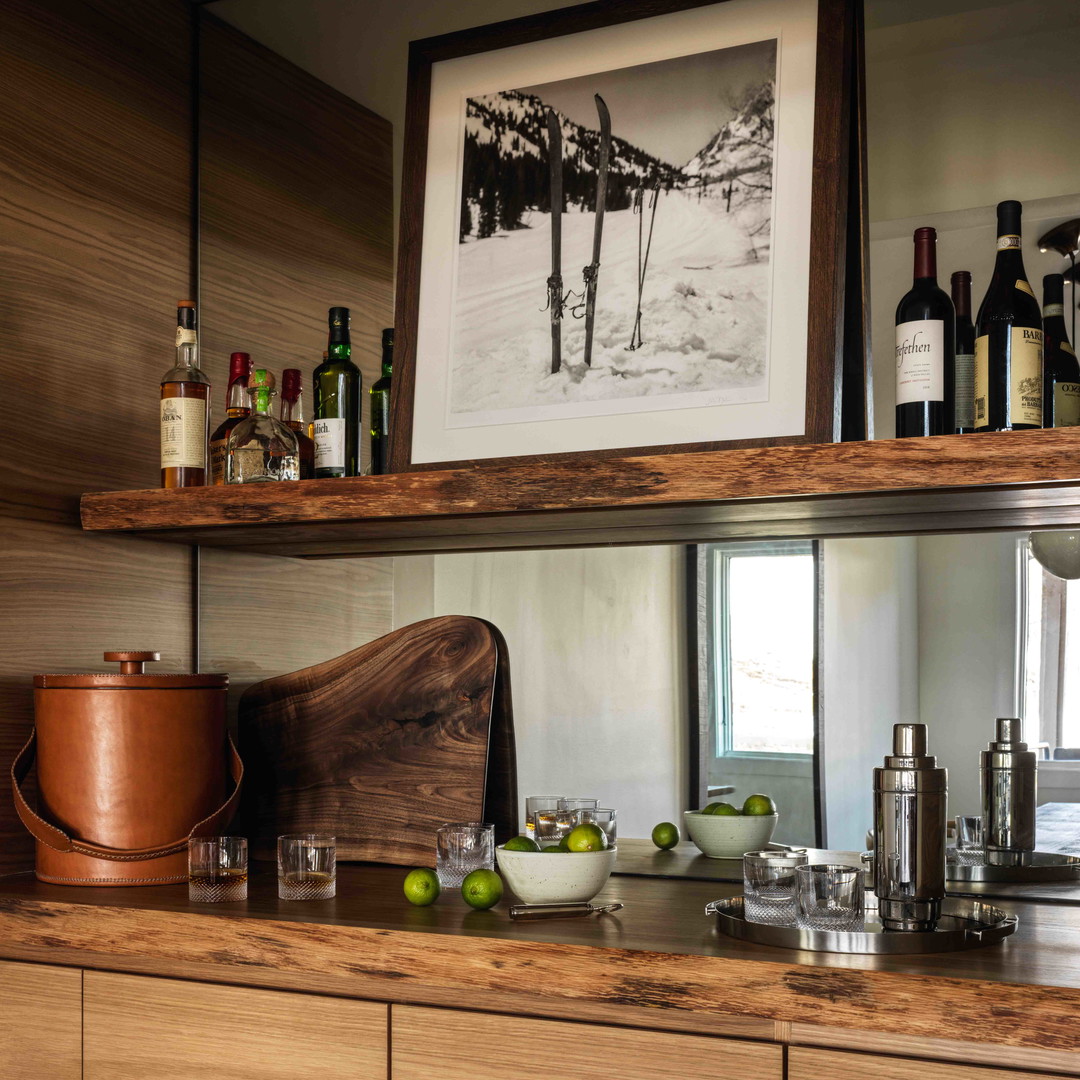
806	1064
296	216
41	1032
159	1029
95	217
479	1046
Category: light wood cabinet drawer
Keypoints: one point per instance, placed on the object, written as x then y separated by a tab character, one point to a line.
41	1026
806	1064
139	1028
453	1045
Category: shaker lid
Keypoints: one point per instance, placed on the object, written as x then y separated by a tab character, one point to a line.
131	676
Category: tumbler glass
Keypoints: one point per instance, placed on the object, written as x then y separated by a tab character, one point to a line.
829	896
969	840
550	826
217	869
600	815
769	886
306	867
462	847
577	804
539	802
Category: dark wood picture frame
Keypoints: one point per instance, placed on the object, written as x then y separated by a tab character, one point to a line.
829	278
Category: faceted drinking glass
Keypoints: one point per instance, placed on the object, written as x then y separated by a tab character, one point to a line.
600	815
217	869
307	867
829	896
539	802
769	886
462	847
969	840
550	826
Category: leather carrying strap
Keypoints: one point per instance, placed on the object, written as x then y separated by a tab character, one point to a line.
56	838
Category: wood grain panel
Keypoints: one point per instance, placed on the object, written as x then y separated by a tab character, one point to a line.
458	1045
69	596
95	216
41	1032
296	214
806	1064
152	1029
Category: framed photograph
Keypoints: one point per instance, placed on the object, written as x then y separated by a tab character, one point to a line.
623	232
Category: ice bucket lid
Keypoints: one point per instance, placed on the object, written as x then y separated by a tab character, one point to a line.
131	676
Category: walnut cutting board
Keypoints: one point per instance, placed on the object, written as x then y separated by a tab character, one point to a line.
382	745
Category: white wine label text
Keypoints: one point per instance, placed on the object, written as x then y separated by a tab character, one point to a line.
330	443
183	433
1066	404
1008	242
920	361
1050	310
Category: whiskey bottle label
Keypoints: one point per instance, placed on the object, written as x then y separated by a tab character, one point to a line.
965	390
920	361
183	433
982	381
330	443
217	460
1066	404
1026	376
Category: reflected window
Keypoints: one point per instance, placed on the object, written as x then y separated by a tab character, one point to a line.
1049	655
762	623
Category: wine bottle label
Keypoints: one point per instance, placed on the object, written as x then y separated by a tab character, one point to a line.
1049	310
965	390
330	443
1026	376
183	433
1008	242
217	460
920	361
185	337
1023	286
1066	404
982	381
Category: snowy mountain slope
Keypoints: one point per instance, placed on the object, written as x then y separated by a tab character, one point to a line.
742	150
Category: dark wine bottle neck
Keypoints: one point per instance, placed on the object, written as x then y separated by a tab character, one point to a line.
925	260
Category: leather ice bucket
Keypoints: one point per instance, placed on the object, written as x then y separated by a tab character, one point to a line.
129	767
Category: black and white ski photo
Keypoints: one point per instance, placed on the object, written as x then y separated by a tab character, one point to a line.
614	241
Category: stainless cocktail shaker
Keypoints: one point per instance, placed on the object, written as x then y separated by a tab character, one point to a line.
1008	771
910	808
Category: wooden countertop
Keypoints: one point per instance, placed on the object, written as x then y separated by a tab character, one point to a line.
660	955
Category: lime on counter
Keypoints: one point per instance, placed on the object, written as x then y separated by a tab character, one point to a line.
758	805
421	887
482	889
666	835
521	843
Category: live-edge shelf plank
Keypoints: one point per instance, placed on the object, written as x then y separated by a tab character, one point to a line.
948	483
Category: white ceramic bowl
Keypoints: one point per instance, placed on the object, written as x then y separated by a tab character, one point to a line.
729	837
566	878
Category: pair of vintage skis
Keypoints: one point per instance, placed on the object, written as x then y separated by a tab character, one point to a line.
556	296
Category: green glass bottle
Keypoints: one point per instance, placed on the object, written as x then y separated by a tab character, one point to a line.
337	404
380	408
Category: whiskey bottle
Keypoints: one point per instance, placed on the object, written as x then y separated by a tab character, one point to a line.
380	408
291	414
185	409
261	447
236	408
337	404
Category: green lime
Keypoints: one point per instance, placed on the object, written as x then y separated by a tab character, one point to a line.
482	889
521	843
722	809
666	835
709	809
421	887
586	837
758	805
563	844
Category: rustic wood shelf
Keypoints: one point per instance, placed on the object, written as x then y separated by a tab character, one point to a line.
952	483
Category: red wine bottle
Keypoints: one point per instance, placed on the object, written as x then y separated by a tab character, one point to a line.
1061	372
925	349
1008	338
964	382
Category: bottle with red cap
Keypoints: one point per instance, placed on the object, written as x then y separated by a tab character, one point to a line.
237	406
291	413
925	349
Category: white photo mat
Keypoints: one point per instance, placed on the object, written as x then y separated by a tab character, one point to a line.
672	419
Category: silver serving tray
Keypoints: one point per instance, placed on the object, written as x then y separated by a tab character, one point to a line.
1044	866
964	924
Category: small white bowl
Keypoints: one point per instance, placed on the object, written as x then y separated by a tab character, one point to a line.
728	836
567	878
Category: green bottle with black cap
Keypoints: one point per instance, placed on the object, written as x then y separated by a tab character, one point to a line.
336	426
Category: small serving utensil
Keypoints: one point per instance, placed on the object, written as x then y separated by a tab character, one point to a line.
560	911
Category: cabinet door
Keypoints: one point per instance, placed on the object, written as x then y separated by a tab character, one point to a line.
454	1045
139	1028
807	1064
41	1025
